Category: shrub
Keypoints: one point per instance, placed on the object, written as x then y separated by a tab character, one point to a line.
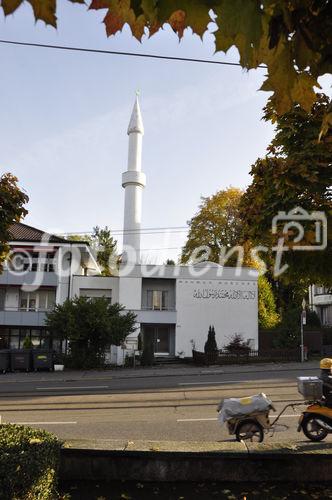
237	345
29	462
211	344
27	343
147	358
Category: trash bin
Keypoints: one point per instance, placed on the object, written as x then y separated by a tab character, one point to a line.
20	359
4	360
42	360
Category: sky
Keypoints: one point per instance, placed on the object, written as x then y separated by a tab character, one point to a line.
64	118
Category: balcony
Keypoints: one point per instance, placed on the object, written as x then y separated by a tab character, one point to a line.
37	278
16	317
156	316
324	299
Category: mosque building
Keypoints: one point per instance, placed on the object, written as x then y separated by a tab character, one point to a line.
174	305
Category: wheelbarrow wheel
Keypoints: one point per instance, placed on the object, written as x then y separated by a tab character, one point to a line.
249	430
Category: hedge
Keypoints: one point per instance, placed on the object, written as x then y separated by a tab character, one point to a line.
29	461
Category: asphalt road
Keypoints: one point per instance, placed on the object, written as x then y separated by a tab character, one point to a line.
156	408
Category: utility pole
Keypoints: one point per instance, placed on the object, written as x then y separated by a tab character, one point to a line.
303	322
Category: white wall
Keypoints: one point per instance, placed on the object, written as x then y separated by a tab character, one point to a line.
130	292
230	306
98	283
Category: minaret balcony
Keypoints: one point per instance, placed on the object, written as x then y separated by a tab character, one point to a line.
133	177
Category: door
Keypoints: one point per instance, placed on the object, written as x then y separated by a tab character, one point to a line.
162	340
159	336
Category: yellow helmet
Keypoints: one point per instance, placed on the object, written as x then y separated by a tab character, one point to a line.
325	364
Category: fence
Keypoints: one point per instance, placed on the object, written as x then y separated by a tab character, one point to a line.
261	356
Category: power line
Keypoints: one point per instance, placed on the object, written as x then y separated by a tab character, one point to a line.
120	53
159	249
146	230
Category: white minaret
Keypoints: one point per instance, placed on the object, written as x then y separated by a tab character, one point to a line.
134	181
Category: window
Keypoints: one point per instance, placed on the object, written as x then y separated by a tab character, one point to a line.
28	301
2	298
157	300
95	293
42	300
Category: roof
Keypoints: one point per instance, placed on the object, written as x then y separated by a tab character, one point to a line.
136	122
23	232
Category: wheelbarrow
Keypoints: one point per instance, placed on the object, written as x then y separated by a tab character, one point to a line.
252	426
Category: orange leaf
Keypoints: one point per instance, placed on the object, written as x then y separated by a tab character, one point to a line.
178	22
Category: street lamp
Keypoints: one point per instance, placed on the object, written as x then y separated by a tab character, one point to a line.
303	322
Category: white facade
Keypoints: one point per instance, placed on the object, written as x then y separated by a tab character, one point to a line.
320	301
177	304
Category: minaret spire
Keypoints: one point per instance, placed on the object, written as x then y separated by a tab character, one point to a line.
133	181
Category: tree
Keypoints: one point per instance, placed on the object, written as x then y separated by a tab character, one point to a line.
217	225
105	246
237	345
90	326
296	172
292	38
211	344
12	201
267	311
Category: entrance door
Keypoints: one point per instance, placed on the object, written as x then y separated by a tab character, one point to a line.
161	340
159	335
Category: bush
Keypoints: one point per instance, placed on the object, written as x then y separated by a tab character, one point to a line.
29	462
147	358
211	344
237	345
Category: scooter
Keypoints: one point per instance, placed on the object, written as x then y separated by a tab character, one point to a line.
316	421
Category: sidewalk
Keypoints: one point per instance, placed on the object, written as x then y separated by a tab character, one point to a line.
156	371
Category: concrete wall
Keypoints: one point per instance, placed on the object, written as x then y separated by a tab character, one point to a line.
130	292
102	285
231	306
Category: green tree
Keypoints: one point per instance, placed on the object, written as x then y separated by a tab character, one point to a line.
12	201
267	311
211	344
90	327
216	225
105	247
296	172
292	38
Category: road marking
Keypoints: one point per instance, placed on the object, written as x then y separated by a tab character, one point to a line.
69	388
195	419
215	383
286	416
44	423
213	372
216	418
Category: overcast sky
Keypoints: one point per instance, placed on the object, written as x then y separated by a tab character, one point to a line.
64	117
